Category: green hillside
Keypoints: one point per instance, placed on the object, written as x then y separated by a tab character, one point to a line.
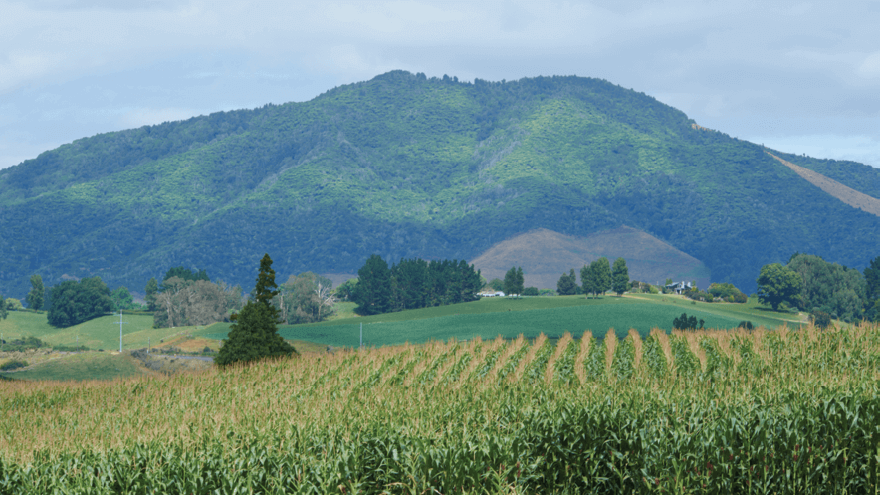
99	333
405	166
553	316
85	366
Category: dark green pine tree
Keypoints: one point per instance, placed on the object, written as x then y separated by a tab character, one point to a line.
567	284
373	290
254	332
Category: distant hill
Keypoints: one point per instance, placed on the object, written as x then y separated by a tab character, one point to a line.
545	255
404	165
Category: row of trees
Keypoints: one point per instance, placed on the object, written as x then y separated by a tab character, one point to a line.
414	283
812	284
596	278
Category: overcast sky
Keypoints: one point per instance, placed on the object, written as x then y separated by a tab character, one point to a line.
802	77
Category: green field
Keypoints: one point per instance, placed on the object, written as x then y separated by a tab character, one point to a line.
83	366
530	317
100	333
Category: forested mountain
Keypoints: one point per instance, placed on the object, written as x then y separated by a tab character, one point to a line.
406	166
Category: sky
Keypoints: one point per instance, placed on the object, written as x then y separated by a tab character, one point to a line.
800	77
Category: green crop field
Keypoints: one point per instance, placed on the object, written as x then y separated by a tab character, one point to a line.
716	412
491	317
100	333
83	366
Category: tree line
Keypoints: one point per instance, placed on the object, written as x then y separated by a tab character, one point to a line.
596	278
809	283
414	283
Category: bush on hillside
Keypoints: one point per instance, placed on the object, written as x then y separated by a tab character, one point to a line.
73	302
820	318
23	344
698	295
727	293
13	365
685	322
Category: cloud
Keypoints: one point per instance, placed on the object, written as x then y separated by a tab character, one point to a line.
808	68
870	66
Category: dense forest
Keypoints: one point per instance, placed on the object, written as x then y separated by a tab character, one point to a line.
408	166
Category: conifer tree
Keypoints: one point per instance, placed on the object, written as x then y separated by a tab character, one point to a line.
150	290
254	332
373	290
567	284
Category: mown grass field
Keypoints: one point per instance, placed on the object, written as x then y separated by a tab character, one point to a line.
780	412
491	317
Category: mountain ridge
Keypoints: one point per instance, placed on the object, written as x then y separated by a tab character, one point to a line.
404	165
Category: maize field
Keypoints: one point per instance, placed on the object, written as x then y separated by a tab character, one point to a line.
705	412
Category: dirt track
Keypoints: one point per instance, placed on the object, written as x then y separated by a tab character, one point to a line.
844	193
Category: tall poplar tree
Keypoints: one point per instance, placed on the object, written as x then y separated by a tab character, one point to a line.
619	276
254	331
37	294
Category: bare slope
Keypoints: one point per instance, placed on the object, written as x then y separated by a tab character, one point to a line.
545	255
844	193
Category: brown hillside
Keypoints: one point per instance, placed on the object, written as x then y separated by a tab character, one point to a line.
844	193
544	255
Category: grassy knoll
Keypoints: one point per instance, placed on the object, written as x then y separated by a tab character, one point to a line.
100	333
509	318
781	412
82	366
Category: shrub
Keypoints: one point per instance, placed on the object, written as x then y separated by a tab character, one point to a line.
684	322
13	304
727	292
530	291
13	365
746	324
820	318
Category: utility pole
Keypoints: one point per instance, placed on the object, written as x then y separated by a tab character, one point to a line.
120	329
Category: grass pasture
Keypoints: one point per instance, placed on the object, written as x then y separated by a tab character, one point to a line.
99	333
80	367
783	412
491	317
